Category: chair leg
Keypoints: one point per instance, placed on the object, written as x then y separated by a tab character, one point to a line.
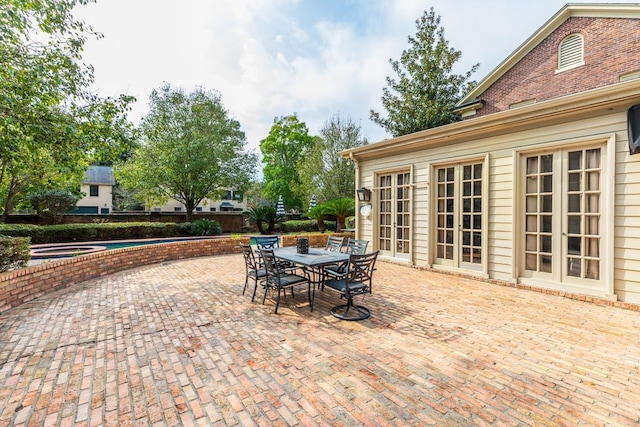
362	312
278	300
255	288
246	282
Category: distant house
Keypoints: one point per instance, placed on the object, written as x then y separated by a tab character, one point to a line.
539	184
97	186
232	201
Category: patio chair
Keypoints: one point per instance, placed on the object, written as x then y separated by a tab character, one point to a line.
353	246
334	243
254	270
357	247
267	242
357	281
280	280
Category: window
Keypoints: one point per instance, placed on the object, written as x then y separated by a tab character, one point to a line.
459	204
93	191
563	214
177	209
394	214
571	52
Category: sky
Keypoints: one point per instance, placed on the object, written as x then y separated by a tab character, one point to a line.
273	58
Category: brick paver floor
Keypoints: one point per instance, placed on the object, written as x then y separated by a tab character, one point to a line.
177	344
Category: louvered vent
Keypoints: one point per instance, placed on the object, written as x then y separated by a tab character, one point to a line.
570	52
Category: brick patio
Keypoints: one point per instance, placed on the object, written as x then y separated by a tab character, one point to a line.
177	344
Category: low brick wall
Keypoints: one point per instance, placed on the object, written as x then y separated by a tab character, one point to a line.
20	286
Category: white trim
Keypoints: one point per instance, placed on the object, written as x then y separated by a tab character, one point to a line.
570	52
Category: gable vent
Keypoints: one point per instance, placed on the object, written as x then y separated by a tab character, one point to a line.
571	52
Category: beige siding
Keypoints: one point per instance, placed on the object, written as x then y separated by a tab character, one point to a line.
502	179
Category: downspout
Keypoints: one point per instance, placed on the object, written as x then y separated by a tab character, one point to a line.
357	182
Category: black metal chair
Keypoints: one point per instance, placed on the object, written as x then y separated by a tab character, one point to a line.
356	281
357	247
254	270
353	246
279	280
334	243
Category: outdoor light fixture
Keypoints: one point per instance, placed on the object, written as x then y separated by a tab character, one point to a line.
364	194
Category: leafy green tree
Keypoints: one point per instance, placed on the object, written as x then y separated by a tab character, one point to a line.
51	125
328	175
317	213
283	150
52	204
341	209
426	91
192	150
259	215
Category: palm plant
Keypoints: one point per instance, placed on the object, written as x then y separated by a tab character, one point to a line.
261	214
318	214
341	209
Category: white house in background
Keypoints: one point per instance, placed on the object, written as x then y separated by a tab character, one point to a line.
97	186
99	181
233	201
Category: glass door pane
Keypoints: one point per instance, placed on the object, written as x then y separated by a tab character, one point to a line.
583	214
385	214
445	224
539	213
471	223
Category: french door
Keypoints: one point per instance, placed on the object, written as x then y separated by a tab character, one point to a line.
394	215
459	216
562	215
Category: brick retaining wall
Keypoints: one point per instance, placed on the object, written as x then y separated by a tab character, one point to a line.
20	286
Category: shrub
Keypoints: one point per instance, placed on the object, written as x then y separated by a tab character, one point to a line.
14	252
65	233
52	204
205	227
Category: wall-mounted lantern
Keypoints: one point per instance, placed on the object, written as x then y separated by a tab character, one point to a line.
364	194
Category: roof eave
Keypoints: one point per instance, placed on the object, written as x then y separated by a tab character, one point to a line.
601	10
585	104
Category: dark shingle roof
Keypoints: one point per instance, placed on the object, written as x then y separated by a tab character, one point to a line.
99	175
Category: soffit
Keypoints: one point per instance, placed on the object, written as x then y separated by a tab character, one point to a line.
597	102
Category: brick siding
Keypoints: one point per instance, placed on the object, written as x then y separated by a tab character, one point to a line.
611	49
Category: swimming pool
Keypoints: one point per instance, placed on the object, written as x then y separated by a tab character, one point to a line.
68	250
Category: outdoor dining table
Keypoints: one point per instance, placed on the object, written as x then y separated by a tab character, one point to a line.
314	261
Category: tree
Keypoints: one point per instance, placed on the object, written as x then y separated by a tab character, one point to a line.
341	209
50	123
426	91
327	175
283	150
191	150
52	204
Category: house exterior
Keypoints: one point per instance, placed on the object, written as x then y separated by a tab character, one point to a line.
536	186
232	201
99	181
97	186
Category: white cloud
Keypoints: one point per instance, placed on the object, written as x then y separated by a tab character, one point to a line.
270	58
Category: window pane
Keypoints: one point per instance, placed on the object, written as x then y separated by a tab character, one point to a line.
593	269
574	224
477	204
531	242
477	171
573	267
574	203
545	264
574	181
593	203
531	262
466	172
593	181
449	190
466	189
575	160
574	245
547	163
547	203
545	223
532	165
593	247
466	238
547	183
591	224
532	204
477	222
593	159
532	184
466	222
545	244
532	223
450	236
